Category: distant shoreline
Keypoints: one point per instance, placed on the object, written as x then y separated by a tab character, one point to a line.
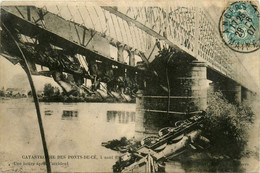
86	100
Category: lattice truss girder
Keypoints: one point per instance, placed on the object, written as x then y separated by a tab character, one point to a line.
190	29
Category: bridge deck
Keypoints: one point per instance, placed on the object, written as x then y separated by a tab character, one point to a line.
137	29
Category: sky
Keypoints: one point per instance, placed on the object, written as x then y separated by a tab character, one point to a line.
251	61
13	76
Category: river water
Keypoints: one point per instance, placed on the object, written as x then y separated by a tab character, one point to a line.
74	133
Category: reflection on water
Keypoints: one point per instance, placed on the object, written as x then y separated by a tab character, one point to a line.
120	117
69	115
65	114
95	123
48	112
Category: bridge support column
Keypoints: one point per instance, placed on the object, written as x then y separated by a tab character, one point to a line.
188	96
131	58
246	94
191	87
120	55
139	115
238	94
231	90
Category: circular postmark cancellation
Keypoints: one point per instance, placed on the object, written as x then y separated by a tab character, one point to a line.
239	27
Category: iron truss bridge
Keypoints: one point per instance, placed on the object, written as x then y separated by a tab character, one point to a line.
100	31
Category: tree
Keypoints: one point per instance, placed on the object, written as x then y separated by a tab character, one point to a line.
48	90
227	125
56	91
2	93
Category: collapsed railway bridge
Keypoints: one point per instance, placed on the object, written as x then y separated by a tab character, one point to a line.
161	56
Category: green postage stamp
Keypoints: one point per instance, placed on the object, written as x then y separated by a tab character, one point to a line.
239	26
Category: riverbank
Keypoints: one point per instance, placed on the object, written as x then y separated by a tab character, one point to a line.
73	99
88	99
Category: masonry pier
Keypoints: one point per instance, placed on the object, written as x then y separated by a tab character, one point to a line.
160	106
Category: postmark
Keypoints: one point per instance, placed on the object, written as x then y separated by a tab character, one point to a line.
239	27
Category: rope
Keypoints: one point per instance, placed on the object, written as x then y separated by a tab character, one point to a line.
168	85
27	70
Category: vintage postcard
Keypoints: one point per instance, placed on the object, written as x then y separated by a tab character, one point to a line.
130	86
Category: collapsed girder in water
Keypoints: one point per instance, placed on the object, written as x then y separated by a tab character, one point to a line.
154	150
70	69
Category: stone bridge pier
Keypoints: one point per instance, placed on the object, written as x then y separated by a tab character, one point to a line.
246	94
231	90
181	91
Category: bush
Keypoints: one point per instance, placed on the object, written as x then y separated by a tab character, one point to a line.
52	94
2	93
245	112
226	125
48	90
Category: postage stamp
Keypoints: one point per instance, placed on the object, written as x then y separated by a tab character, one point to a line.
239	26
